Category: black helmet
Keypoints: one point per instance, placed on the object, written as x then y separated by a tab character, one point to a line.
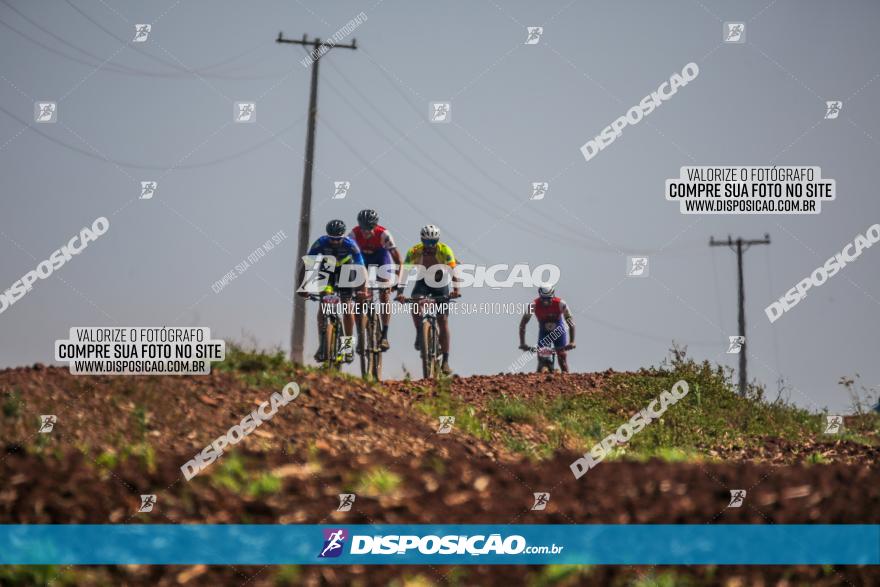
368	219
336	228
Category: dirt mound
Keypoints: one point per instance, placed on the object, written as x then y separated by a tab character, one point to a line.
101	413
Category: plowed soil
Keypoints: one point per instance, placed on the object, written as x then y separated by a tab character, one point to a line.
339	431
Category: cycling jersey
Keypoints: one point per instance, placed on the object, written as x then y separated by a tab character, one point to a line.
552	329
442	253
345	251
374	246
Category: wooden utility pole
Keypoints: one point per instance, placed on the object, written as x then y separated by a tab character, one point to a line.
298	332
741	247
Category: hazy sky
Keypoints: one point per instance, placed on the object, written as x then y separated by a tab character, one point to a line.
163	110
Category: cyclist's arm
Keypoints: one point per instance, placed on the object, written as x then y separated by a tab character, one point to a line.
358	259
522	324
389	245
569	320
451	262
314	250
395	258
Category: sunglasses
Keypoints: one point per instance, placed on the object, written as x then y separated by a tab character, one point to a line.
335	239
430	242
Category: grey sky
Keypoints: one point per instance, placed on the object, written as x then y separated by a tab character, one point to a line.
519	114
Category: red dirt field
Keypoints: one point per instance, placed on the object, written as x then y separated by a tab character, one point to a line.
338	433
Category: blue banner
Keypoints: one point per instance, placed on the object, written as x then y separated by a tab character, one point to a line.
594	544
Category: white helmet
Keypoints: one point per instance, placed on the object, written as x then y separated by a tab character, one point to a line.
430	232
546	291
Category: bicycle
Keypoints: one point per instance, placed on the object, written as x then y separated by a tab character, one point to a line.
546	359
371	357
429	334
336	346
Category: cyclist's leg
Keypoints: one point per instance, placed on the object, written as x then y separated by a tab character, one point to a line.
348	312
443	324
419	289
319	354
559	338
384	283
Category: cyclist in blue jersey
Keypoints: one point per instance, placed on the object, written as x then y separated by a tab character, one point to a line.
344	253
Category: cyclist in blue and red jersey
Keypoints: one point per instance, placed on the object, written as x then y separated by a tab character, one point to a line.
345	252
555	324
379	250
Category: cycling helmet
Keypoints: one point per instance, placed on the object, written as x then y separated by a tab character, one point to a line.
368	219
546	291
336	228
430	233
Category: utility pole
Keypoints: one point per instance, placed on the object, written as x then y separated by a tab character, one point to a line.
741	247
298	332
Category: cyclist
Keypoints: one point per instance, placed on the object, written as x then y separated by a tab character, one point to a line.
346	253
554	318
429	254
379	250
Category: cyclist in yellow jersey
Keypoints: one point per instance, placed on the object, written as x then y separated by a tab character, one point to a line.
432	254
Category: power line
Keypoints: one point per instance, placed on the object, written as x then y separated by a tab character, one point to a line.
468	196
131	165
120	69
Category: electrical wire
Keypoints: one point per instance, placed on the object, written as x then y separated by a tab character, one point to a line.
132	165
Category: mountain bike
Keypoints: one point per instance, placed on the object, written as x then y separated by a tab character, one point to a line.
546	359
429	334
371	357
336	344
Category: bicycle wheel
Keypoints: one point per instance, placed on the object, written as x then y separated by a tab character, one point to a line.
330	350
366	358
428	351
376	339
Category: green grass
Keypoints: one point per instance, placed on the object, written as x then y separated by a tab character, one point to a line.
36	575
232	474
376	481
511	409
443	403
12	405
711	415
